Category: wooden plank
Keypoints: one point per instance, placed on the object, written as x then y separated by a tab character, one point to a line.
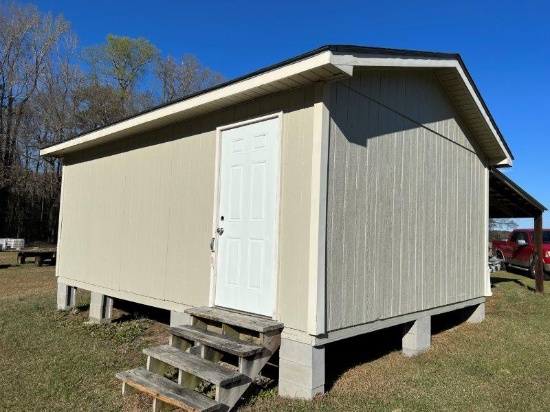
220	342
167	391
241	320
195	365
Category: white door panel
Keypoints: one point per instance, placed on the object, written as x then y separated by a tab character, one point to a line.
247	214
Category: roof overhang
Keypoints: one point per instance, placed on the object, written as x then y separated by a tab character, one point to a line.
508	200
325	64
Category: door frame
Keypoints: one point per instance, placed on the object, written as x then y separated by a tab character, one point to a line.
216	210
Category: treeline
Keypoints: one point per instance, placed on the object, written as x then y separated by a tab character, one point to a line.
51	89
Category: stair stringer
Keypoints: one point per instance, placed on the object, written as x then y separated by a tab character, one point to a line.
251	367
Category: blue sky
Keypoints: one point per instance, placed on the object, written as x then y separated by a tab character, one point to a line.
505	45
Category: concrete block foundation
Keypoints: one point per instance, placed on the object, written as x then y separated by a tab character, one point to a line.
417	336
478	314
301	369
101	308
179	318
66	296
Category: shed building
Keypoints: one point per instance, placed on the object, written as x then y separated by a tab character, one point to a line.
320	192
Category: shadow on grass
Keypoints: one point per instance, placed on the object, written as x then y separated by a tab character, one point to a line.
450	320
82	308
496	280
5	266
348	353
136	311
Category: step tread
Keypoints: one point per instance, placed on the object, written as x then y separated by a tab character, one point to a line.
204	369
242	320
167	391
223	343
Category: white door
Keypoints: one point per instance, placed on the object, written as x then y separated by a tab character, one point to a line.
247	216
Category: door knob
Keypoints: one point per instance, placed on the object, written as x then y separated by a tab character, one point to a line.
219	231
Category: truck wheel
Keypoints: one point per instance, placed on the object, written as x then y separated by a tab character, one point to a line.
39	260
21	259
545	275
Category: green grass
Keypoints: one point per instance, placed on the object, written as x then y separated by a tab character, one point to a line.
52	361
502	364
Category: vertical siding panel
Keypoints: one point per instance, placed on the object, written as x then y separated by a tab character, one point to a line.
482	228
350	213
423	182
454	219
371	87
439	252
401	126
355	207
160	217
362	291
477	208
73	221
103	256
416	260
175	260
86	218
467	198
339	158
383	263
444	204
295	204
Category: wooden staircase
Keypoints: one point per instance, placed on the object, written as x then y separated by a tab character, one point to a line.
220	353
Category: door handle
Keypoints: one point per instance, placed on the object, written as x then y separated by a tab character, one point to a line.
212	244
219	231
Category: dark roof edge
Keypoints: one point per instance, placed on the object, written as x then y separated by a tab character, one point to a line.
204	91
506	180
459	58
334	48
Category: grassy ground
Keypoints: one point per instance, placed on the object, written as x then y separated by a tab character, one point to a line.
51	361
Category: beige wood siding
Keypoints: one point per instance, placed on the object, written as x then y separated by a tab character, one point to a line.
137	214
405	218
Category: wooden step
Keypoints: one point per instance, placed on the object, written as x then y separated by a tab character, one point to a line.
250	322
223	343
195	365
167	391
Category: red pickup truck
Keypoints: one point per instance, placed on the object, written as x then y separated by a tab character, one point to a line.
519	250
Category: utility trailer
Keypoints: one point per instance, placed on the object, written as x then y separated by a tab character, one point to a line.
39	254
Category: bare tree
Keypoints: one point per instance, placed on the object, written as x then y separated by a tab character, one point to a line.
502	224
46	97
180	79
27	40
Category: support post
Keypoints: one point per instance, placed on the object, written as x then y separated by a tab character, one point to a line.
417	336
301	369
179	318
478	314
539	275
101	308
65	296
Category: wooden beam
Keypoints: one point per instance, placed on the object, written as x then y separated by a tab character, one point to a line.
539	275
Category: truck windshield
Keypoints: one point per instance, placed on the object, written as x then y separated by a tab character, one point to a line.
545	236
